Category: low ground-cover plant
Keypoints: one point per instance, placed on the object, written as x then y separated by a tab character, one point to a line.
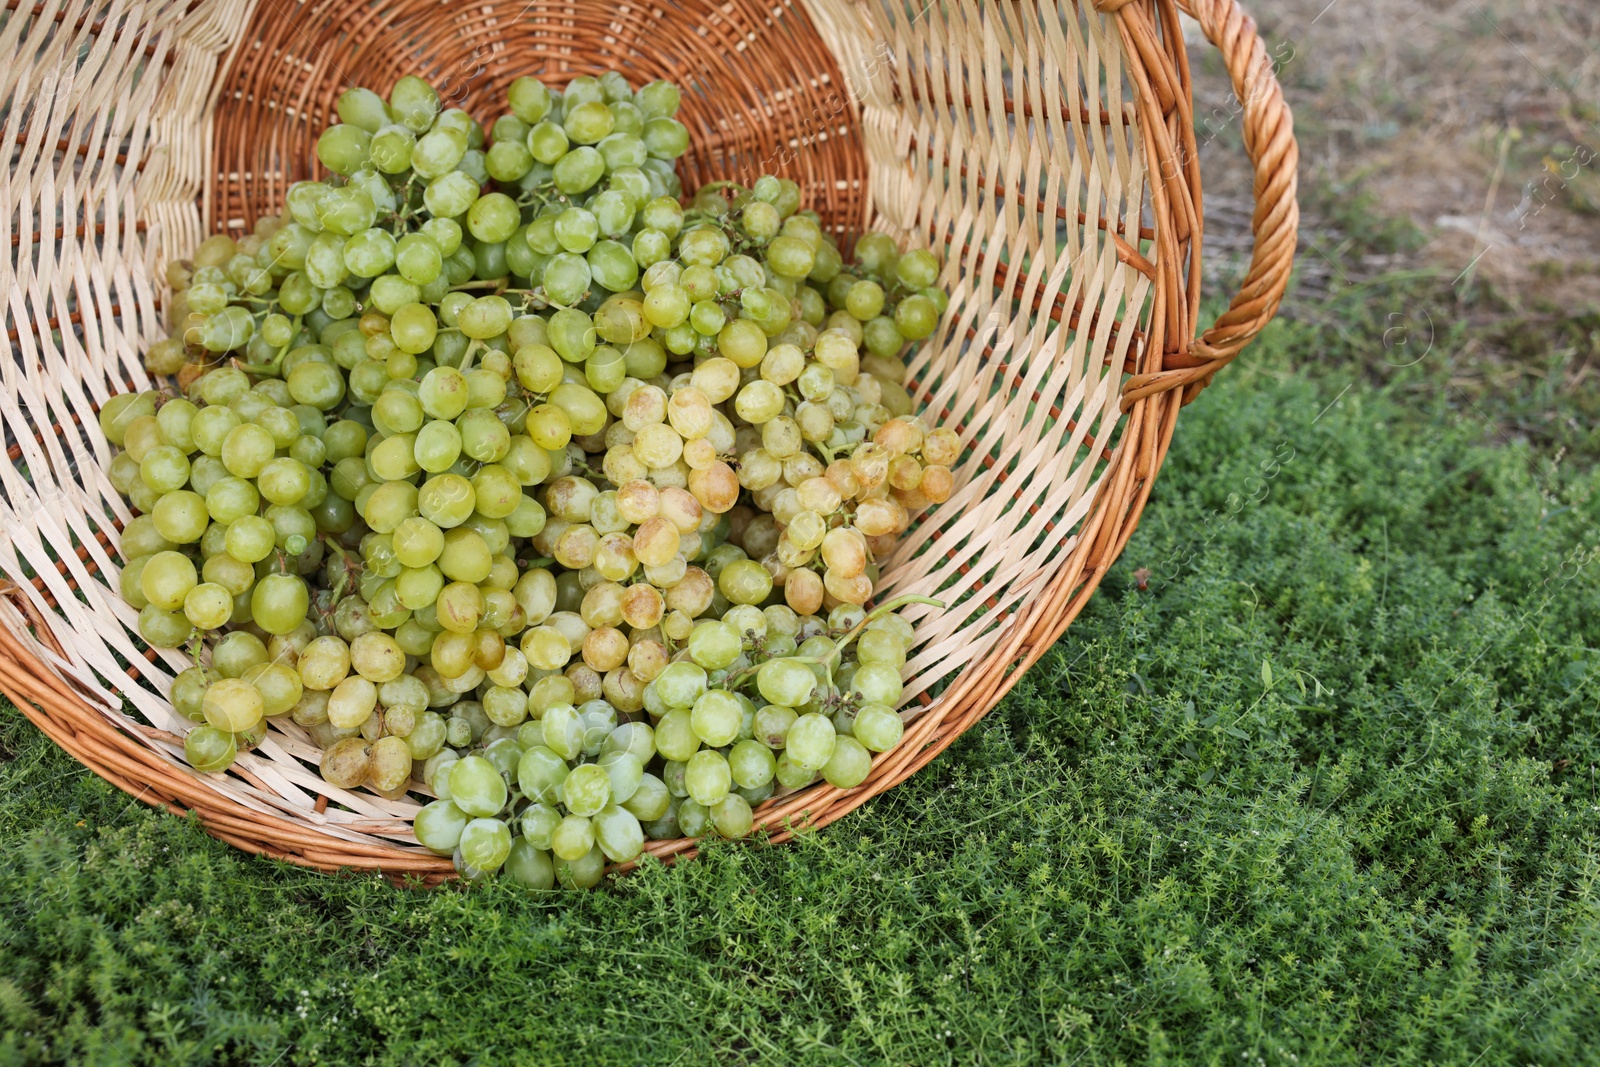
1311	781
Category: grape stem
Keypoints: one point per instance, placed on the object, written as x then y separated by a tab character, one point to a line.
270	370
880	611
733	681
348	569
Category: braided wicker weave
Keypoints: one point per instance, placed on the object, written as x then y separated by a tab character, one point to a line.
1046	152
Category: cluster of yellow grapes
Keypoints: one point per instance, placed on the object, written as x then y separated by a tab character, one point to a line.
510	478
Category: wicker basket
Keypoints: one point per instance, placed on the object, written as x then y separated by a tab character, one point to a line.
1047	152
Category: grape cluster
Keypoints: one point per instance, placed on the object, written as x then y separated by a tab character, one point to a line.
507	473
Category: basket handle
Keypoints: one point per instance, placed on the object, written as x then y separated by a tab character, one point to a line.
1268	129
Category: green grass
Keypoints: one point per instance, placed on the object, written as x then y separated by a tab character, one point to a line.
1323	792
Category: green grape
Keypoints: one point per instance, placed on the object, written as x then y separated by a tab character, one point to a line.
605	369
343	148
881	646
282	481
916	317
528	99
232	704
437	153
164	469
563	727
584	89
237	653
578	170
714	645
418	259
338	302
485	317
752	764
588	122
675	736
878	683
369	253
566	278
547	142
279	686
443	392
166	579
439	825
662	213
657	99
651	247
681	684
493	218
476	787
279	603
666	138
615	87
882	337
122	411
540	819
626	119
414	103
731	817
785	682
876	252
651	800
228	329
485	843
188	691
540	235
450	195
587	789
717	717
791	775
917	269
541	771
163	629
393	458
344	212
438	445
391	148
694	819
209	750
618	834
509	159
613	210
208	606
877	727
849	764
811	741
613	266
530	866
790	257
576	229
573	838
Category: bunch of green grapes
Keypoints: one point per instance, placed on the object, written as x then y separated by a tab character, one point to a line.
512	480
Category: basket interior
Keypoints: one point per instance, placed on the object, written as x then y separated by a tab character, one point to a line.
1004	135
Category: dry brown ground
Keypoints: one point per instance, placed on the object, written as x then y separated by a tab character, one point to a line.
1476	121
